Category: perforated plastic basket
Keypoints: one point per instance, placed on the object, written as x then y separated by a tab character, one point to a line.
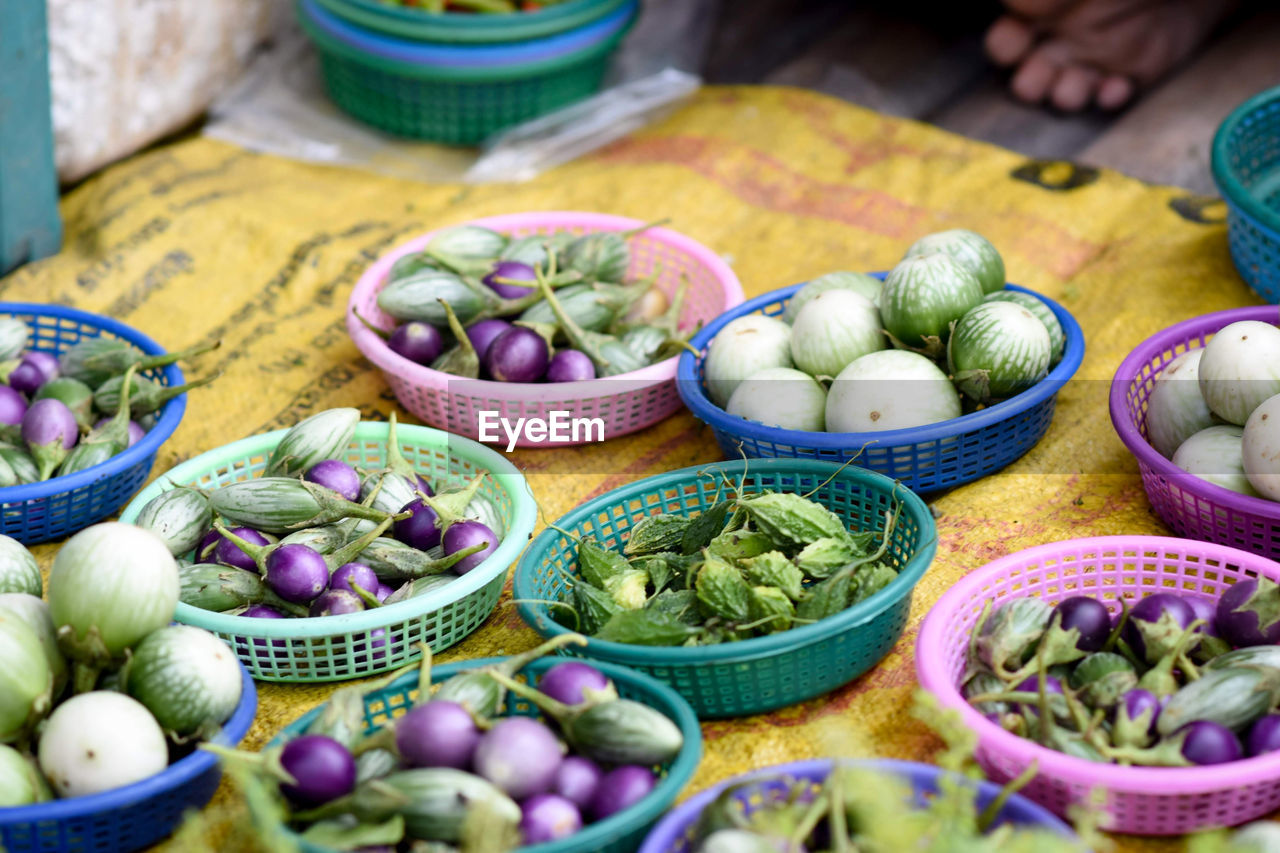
620	833
1246	168
133	817
675	833
58	507
926	459
762	673
467	28
623	403
1189	505
333	648
457	95
1141	800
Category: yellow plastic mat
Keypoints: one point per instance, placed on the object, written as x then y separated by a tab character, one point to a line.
200	240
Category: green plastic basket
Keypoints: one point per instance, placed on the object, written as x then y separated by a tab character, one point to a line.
762	673
469	28
334	648
455	105
620	833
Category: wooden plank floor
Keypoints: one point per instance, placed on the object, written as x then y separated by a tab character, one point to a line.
884	55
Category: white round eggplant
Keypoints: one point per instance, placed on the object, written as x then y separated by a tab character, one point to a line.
997	350
34	612
1240	368
890	389
26	685
923	295
1260	448
18	569
100	741
781	397
971	250
19	782
1215	454
858	282
744	346
1176	409
187	678
832	330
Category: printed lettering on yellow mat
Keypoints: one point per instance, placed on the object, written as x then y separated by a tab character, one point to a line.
198	241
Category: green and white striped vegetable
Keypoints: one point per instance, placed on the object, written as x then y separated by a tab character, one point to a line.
744	347
420	295
178	516
858	282
18	569
998	349
781	397
20	784
971	250
923	295
1216	455
891	389
13	337
26	685
99	741
20	462
325	435
1037	306
34	613
187	678
832	330
282	504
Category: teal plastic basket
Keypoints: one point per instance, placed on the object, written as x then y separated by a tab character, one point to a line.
335	648
762	673
1246	167
620	833
469	28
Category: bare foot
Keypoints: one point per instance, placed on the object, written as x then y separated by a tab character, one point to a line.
1077	53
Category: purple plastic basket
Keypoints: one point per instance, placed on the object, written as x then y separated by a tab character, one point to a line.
1191	506
674	834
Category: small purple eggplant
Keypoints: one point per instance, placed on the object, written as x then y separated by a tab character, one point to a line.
1155	625
354	573
1135	718
466	534
136	430
229	554
520	755
336	475
1205	742
513	271
482	333
12	406
570	365
419	342
335	602
49	430
569	682
1264	735
620	789
517	355
421	529
577	779
438	733
323	769
1248	613
548	817
296	573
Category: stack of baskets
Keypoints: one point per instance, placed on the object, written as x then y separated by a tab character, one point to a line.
457	77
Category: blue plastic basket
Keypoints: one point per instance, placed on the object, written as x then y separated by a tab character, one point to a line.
675	833
133	817
619	833
1246	168
38	512
925	459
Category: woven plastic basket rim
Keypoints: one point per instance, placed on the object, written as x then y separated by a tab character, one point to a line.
148	445
1127	373
1225	177
470	27
695	397
376	350
524	513
500	55
508	73
172	777
662	837
657	801
538	617
1159	781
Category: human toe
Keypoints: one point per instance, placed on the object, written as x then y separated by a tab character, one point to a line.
1075	88
1114	92
1035	78
1008	40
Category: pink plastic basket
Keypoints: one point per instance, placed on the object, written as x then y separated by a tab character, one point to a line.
1189	505
1140	800
625	403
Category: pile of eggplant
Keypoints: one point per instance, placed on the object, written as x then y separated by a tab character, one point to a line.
1176	680
457	771
62	414
98	690
543	308
314	536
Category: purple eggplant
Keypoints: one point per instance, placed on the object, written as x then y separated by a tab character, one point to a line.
513	271
1088	616
337	476
1135	718
483	333
569	682
383	592
335	602
520	755
296	573
136	431
12	406
1155	625
49	430
1248	613
419	342
35	369
577	779
323	769
357	574
570	365
438	733
620	789
548	817
45	362
1205	742
466	534
229	554
421	529
517	355
1264	735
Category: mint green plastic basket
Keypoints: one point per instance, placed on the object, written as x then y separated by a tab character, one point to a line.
620	833
762	673
467	27
335	648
